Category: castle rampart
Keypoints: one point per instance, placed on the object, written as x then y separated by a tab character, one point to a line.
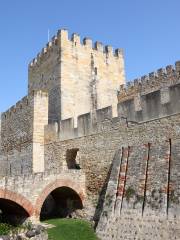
134	107
152	96
163	77
118	154
96	150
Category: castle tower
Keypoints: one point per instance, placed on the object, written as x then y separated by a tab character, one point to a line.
80	78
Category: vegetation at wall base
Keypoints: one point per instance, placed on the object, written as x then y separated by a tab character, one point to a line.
70	229
5	228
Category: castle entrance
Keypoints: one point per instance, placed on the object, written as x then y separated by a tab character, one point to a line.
62	202
11	212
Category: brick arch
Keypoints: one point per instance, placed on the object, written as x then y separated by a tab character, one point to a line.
54	185
18	199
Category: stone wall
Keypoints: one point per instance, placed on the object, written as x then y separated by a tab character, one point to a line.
17	124
44	74
163	102
97	150
151	96
30	191
134	227
142	199
154	105
160	79
128	153
16	136
22	135
79	77
140	143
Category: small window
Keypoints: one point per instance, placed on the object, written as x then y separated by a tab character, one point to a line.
72	159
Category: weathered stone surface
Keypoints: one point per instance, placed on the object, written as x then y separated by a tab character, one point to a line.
121	160
35	232
31	233
78	77
5	237
22	135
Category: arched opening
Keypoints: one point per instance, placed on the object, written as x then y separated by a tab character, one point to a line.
61	202
11	212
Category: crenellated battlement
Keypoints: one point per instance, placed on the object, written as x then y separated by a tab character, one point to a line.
163	77
136	109
22	104
45	52
62	38
80	75
71	126
86	124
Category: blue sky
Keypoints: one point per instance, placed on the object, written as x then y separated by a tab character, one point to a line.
148	30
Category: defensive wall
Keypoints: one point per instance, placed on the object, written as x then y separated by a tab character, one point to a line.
97	138
140	100
122	160
146	194
151	96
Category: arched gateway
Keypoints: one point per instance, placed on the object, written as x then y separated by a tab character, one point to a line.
14	207
64	196
32	201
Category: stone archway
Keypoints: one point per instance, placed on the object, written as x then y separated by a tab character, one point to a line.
15	208
64	188
62	202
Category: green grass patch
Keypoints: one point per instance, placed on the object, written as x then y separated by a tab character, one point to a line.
70	229
5	228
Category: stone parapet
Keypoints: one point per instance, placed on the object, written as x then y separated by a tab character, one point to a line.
163	77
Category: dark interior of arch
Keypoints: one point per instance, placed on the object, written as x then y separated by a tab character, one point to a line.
11	212
62	203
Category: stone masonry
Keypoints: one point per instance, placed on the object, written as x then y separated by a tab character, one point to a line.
73	89
81	127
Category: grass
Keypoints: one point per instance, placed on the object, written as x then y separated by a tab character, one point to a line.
5	229
70	229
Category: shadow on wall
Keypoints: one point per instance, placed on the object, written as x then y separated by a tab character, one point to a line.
101	199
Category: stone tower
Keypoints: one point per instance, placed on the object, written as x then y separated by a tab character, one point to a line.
79	78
